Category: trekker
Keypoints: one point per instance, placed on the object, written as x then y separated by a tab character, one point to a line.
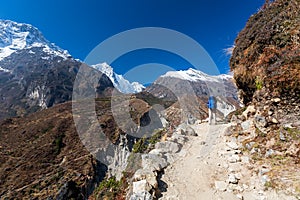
212	110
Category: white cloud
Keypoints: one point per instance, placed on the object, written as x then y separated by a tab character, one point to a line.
228	51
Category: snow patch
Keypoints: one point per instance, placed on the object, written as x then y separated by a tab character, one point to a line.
38	94
4	70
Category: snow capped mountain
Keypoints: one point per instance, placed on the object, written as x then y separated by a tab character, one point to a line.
18	36
196	75
119	81
194	87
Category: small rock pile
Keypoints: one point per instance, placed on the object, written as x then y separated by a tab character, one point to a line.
145	184
246	177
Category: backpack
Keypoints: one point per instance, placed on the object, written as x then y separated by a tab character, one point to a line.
211	104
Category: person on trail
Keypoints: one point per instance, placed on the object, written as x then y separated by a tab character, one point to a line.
212	110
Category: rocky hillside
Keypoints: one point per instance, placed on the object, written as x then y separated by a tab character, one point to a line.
43	156
266	66
267	52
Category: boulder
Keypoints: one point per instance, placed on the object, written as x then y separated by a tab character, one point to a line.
269	153
153	162
148	175
249	111
221	185
232	179
232	145
246	125
260	121
274	120
191	120
185	129
276	100
293	150
282	136
167	147
234	158
190	131
141	196
141	186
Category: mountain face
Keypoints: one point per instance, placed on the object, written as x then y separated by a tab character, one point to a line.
34	74
192	88
119	81
201	83
16	36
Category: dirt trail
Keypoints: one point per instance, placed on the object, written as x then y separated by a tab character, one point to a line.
192	175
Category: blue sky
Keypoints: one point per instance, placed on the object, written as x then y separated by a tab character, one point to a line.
79	26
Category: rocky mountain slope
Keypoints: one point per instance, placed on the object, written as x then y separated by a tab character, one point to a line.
266	66
45	158
266	53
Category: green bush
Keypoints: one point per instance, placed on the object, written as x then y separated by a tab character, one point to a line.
145	144
109	189
258	83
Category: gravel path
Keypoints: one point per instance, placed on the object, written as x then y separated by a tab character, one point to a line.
211	167
192	175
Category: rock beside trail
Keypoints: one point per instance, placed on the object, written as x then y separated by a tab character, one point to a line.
145	184
232	145
153	162
186	129
144	195
168	147
147	175
232	179
221	186
141	185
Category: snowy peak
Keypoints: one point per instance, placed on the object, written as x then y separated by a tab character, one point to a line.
18	36
119	81
196	75
104	68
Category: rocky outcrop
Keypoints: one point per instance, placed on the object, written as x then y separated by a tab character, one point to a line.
266	67
146	183
271	156
266	53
